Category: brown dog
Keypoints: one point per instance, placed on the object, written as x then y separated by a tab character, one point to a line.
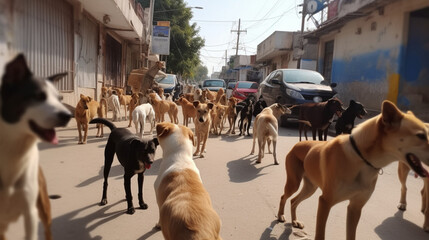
403	170
185	208
265	129
318	116
188	110
134	102
87	109
209	95
202	123
347	167
219	94
218	117
231	114
163	106
124	100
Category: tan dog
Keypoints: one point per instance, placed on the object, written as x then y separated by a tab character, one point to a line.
188	96
124	100
219	94
265	129
209	95
163	106
185	208
403	170
218	117
142	79
134	102
87	109
197	95
202	123
231	114
188	110
347	167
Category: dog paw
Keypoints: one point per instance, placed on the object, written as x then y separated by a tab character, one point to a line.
158	226
402	206
103	202
131	210
281	218
297	224
143	206
258	162
80	143
276	163
201	155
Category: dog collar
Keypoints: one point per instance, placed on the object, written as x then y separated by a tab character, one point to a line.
352	141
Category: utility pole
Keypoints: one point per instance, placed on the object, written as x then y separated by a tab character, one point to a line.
303	12
238	35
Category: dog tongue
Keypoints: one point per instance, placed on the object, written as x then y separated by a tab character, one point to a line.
47	135
147	166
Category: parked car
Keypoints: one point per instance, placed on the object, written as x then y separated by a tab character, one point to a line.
295	86
213	84
229	89
170	84
242	89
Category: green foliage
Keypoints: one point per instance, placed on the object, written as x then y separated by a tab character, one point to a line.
200	74
185	43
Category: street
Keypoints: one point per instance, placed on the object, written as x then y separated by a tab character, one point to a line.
245	195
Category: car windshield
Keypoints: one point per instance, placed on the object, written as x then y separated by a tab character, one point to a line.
302	76
169	79
231	84
248	85
213	83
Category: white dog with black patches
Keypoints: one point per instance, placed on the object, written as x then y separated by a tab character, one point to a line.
185	209
30	109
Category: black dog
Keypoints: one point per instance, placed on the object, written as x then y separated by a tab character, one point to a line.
259	105
134	154
346	122
245	110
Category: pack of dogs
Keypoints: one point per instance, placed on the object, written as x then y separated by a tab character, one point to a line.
359	152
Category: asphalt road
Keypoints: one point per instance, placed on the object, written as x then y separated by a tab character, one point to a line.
245	195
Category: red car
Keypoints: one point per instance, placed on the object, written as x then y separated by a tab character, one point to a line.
244	88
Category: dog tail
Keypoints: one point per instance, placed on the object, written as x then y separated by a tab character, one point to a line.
105	122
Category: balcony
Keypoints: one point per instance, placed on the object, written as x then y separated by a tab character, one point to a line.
275	45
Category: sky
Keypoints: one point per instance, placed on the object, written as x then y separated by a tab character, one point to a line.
259	18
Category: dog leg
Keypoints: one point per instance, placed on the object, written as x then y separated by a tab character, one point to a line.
268	145
197	151
204	145
129	196
320	133
274	151
44	206
261	144
140	179
30	222
79	130
109	153
322	216
403	170
253	145
85	132
307	190
248	125
354	211
314	131
300	130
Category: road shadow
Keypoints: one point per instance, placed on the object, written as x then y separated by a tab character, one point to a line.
115	171
269	235
244	169
82	226
149	234
66	141
396	227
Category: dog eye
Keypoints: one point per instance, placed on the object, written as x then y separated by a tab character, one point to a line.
422	136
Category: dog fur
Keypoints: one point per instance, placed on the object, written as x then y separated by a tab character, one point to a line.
346	122
246	114
30	111
114	104
403	170
318	116
218	117
135	155
188	110
43	205
185	208
265	129
343	172
231	114
87	109
134	102
163	106
124	100
202	124
140	114
259	106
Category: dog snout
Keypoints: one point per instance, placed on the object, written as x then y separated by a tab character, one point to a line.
201	119
63	118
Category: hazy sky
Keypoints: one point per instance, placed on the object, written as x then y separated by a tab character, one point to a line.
260	18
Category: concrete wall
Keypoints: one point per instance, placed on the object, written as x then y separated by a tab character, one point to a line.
368	53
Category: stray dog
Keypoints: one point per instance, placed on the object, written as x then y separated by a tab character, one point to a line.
246	115
217	116
346	122
140	114
114	104
403	170
347	167
188	110
185	208
259	106
87	109
231	114
134	102
219	94
124	100
163	106
197	95
30	111
135	155
209	95
265	129
202	124
319	116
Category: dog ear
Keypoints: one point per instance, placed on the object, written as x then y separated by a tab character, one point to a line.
163	129
196	103
155	140
210	105
17	70
58	76
391	115
89	98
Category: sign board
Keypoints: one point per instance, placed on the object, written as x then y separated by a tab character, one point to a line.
161	39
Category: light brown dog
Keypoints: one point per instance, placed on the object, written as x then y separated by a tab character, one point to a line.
44	206
188	110
124	100
185	208
202	124
197	95
142	79
219	94
347	167
231	114
134	102
218	117
209	95
265	129
403	170
87	109
188	96
163	106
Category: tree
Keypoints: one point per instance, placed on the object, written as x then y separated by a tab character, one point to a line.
185	44
200	74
